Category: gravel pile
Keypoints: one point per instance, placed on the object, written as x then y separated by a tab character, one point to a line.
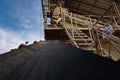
55	60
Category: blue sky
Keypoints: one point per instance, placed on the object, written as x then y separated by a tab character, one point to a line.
20	21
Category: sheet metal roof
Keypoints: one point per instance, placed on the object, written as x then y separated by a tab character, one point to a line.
89	7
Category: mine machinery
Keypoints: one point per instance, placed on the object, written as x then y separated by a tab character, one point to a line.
82	42
81	23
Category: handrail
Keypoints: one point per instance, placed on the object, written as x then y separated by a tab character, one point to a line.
112	37
69	33
75	29
87	22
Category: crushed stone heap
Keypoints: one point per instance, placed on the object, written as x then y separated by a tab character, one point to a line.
55	60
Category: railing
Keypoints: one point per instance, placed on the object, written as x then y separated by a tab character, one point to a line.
70	26
72	21
95	28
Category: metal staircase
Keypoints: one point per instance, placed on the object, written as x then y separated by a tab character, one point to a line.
80	39
75	25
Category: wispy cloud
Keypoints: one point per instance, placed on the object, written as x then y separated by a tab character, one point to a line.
10	39
25	18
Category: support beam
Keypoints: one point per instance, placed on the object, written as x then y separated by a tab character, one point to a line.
116	10
104	13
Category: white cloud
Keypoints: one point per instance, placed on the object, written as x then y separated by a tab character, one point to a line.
10	40
28	19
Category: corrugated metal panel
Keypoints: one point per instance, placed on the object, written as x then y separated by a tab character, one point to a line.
89	6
